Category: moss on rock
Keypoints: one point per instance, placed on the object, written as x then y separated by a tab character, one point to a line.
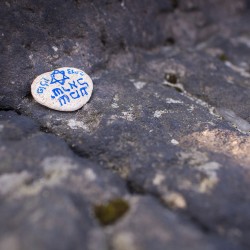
110	212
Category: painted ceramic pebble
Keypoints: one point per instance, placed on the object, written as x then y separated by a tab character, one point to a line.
63	89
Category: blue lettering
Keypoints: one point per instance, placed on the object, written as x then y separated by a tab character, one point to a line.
73	85
63	100
40	90
80	79
83	91
76	96
67	90
57	92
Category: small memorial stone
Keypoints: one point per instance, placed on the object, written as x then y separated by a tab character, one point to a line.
63	89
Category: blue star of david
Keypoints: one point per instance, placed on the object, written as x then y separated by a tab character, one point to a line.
58	76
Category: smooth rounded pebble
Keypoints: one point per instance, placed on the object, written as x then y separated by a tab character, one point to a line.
63	89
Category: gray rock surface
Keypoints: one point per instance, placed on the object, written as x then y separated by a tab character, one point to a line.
166	129
161	229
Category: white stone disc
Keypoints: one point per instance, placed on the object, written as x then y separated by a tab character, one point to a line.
63	89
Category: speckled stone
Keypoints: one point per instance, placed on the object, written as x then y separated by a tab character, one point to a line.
63	89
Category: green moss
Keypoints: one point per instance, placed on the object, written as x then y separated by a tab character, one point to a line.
110	212
223	57
172	78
